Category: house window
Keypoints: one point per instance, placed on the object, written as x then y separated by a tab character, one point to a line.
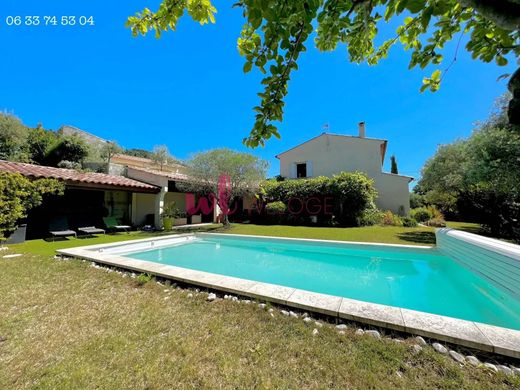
301	170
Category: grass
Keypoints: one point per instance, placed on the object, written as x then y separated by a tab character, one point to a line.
384	234
66	325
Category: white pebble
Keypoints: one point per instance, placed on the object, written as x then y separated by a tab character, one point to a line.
341	332
307	319
373	333
492	367
315	332
360	332
457	357
472	360
211	297
270	310
284	312
261	305
506	370
341	327
420	340
440	348
293	314
318	324
190	295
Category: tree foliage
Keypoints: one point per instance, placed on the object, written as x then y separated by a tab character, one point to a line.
276	34
478	178
13	136
393	167
350	194
161	155
240	173
19	194
19	142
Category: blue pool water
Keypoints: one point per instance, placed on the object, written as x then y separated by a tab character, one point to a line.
418	279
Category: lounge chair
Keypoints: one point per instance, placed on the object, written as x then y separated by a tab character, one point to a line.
90	230
112	224
59	227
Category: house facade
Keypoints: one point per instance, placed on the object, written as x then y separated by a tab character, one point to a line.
329	154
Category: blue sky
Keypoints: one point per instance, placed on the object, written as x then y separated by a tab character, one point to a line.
187	90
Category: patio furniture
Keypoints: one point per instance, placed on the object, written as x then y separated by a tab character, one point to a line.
90	230
112	224
59	227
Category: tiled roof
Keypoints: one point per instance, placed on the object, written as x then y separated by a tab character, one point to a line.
169	175
71	176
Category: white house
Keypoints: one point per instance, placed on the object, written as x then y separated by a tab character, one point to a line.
330	154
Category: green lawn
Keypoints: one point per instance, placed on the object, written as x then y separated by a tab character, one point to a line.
384	234
65	324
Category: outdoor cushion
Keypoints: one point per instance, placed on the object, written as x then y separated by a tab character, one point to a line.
63	233
91	230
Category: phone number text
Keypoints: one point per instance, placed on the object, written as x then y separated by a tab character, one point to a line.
49	20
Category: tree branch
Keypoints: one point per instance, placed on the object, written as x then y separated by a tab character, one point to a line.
504	13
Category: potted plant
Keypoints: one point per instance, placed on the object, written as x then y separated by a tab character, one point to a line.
170	212
180	219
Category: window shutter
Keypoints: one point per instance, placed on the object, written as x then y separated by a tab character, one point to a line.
292	174
309	169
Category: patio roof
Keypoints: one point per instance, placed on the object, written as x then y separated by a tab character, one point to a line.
75	178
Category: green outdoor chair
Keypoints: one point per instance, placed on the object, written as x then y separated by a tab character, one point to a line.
112	224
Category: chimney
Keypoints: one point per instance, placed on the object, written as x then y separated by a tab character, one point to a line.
361	127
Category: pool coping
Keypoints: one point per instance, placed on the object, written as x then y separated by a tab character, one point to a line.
485	337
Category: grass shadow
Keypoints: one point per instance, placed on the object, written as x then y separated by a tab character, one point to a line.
427	238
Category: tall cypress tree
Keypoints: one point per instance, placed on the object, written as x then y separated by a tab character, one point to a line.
393	168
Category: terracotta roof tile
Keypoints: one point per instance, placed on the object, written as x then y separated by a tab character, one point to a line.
72	176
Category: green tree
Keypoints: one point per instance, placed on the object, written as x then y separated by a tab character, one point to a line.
393	168
138	153
243	173
13	137
161	155
479	178
19	194
108	150
276	33
39	143
443	176
67	152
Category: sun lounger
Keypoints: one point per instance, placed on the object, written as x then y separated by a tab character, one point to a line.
91	230
112	224
59	227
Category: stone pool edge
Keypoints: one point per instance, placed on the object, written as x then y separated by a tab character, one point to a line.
471	334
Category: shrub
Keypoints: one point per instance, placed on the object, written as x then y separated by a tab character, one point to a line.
409	222
390	219
436	222
277	207
142	279
349	194
170	210
421	214
370	217
19	194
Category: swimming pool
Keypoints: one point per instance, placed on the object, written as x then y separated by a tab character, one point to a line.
417	279
466	290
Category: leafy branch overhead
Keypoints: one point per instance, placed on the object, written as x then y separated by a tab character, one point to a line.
275	34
